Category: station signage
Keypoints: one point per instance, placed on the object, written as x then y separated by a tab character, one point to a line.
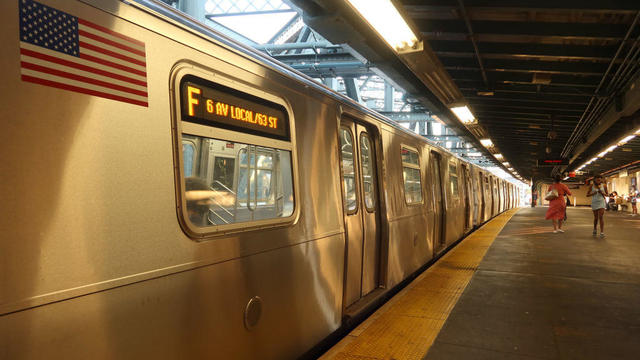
212	104
553	162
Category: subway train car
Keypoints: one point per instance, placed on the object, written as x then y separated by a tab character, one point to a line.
169	193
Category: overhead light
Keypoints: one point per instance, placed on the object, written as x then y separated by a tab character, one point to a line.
498	156
506	163
609	149
637	132
387	21
486	142
475	154
626	140
510	169
464	114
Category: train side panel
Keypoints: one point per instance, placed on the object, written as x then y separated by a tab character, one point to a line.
93	219
409	243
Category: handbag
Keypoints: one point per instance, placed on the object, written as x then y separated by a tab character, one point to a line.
551	195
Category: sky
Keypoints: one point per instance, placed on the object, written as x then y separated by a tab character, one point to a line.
259	28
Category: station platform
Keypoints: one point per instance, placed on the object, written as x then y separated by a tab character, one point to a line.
515	290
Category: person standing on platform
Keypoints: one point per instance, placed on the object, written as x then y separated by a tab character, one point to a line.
612	201
598	193
557	206
633	198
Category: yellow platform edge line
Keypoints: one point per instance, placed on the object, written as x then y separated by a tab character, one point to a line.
408	324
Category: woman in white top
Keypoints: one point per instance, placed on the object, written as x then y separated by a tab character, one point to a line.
598	193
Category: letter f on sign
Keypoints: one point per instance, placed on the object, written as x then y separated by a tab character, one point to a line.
192	100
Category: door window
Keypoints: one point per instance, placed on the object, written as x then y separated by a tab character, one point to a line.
348	171
368	172
453	179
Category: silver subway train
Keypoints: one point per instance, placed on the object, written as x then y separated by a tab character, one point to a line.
169	193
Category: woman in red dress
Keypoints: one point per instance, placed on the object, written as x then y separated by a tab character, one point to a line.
557	206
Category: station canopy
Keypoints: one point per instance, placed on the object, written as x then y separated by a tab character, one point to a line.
543	80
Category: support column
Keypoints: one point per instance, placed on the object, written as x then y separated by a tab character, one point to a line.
388	97
331	83
352	90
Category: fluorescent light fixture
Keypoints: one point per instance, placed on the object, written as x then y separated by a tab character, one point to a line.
475	154
387	21
464	114
611	148
637	132
510	169
486	142
626	140
602	154
498	156
506	163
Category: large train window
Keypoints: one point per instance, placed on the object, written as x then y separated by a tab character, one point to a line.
453	179
236	157
411	176
348	171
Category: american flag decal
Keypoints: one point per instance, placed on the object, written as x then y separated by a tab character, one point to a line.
70	53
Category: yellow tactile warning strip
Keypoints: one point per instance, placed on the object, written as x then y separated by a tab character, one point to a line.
406	326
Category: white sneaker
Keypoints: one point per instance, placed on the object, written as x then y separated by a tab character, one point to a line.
601	235
560	230
555	231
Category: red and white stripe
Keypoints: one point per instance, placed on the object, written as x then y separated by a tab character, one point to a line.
111	65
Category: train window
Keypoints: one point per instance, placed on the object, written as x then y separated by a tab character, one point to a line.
368	174
254	184
348	171
411	176
453	179
236	158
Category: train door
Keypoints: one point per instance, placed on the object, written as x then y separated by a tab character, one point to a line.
467	197
481	195
494	199
438	201
358	165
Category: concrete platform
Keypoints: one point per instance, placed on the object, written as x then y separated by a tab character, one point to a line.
539	295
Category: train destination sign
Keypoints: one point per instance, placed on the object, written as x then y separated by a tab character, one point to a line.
553	162
217	105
